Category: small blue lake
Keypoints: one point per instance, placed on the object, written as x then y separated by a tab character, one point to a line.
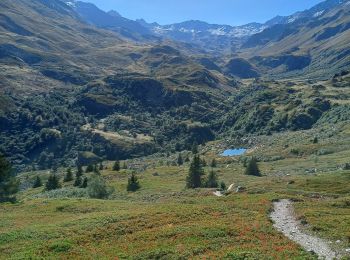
233	152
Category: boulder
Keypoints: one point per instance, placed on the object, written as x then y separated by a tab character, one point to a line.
240	189
231	188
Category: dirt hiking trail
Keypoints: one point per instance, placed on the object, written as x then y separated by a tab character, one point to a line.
286	222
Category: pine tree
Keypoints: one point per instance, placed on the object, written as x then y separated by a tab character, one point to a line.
54	168
252	168
85	183
204	163
89	168
180	160
133	183
213	163
79	170
96	169
77	182
116	166
53	183
125	166
223	186
212	181
37	183
78	174
8	183
101	166
194	178
69	175
194	148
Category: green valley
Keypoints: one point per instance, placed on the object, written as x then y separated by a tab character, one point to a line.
112	134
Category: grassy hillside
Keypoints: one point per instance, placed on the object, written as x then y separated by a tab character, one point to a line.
72	75
312	46
73	95
164	220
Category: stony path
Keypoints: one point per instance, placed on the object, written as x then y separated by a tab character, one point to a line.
218	193
285	221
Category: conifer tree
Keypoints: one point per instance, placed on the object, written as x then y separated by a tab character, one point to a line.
77	182
69	175
101	166
133	183
85	183
8	183
212	181
194	178
116	166
79	170
125	166
180	160
96	169
89	168
213	163
37	183
79	174
253	168
52	183
194	148
223	186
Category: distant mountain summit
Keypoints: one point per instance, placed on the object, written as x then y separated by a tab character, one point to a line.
314	11
211	37
111	20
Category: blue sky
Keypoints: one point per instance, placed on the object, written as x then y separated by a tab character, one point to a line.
234	12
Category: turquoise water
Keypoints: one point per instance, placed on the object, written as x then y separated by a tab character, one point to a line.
234	152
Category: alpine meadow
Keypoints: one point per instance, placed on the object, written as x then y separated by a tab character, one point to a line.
124	138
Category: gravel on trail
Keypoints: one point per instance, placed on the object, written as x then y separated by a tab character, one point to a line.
286	222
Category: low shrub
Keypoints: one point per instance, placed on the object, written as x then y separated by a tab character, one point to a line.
98	189
63	193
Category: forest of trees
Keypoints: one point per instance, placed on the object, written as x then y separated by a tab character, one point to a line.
8	183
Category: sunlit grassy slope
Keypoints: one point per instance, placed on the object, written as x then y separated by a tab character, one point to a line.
163	220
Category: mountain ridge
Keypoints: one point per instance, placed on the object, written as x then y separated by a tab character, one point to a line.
71	91
209	36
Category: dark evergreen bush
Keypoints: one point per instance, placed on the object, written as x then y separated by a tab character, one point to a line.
8	183
52	183
133	183
69	175
37	183
212	180
116	166
194	178
252	168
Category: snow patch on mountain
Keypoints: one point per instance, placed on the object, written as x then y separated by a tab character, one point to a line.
71	3
218	31
184	30
318	13
210	29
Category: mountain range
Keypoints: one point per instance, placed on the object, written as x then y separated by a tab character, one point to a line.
80	84
121	139
208	36
254	43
